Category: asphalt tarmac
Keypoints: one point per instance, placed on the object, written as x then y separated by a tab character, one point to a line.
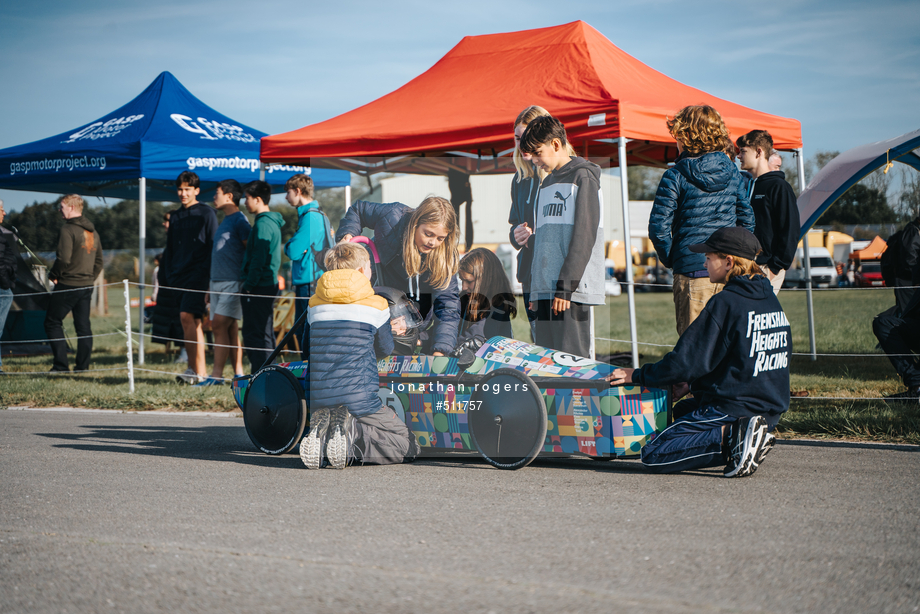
111	512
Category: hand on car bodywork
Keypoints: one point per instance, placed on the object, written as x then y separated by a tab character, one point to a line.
620	376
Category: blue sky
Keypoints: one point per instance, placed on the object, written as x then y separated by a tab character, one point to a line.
849	71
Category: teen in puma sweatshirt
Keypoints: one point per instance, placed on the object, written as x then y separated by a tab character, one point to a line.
567	274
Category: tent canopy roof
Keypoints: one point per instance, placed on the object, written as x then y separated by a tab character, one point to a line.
847	169
873	251
160	133
469	99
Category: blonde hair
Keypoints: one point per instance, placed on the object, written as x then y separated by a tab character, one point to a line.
441	262
73	200
525	168
740	266
347	256
700	130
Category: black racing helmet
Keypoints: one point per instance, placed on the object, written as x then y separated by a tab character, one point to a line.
404	310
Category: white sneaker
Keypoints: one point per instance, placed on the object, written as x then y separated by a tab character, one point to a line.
747	438
189	377
182	357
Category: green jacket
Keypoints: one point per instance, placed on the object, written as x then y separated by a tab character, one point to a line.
263	252
79	254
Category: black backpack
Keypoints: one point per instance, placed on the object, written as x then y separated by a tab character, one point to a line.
891	257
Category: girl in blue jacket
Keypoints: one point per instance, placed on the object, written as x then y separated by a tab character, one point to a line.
418	253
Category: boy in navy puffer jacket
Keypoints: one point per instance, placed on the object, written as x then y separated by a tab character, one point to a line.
701	193
347	326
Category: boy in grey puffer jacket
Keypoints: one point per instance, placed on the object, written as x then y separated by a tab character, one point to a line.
701	193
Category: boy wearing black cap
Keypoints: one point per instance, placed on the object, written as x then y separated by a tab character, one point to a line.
735	356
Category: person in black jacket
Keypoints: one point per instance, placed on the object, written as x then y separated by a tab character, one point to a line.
9	259
776	213
898	328
735	356
187	266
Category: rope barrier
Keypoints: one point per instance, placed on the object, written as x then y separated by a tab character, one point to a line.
47	292
664	345
55	373
174	374
216	345
650	284
223	293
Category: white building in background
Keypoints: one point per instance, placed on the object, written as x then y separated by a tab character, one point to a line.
492	204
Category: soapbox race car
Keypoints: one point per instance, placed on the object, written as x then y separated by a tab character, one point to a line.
509	402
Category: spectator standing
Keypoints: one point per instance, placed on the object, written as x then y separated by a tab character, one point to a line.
901	263
224	289
567	273
260	275
187	265
525	187
77	264
9	260
776	214
702	192
313	236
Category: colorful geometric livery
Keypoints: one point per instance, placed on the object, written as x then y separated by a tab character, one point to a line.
584	415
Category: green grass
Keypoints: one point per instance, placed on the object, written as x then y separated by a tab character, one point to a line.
843	323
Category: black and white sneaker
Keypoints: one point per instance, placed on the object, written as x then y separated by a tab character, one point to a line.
312	446
340	437
746	439
768	442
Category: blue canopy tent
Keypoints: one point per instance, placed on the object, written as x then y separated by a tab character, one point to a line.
138	150
838	176
847	169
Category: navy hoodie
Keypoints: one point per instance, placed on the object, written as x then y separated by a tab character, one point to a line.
735	354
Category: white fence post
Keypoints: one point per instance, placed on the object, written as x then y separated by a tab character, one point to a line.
128	332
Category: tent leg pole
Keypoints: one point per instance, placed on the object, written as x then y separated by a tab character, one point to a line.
630	290
141	266
347	197
800	160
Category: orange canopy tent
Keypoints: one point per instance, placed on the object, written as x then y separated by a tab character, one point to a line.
456	118
459	113
873	251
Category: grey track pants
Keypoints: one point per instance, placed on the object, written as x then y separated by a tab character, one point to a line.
381	438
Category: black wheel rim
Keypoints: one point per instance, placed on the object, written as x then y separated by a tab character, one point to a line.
507	424
275	412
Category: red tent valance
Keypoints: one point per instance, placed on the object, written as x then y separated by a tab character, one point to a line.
459	113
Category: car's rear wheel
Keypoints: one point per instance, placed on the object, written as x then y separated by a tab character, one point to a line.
507	419
275	410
